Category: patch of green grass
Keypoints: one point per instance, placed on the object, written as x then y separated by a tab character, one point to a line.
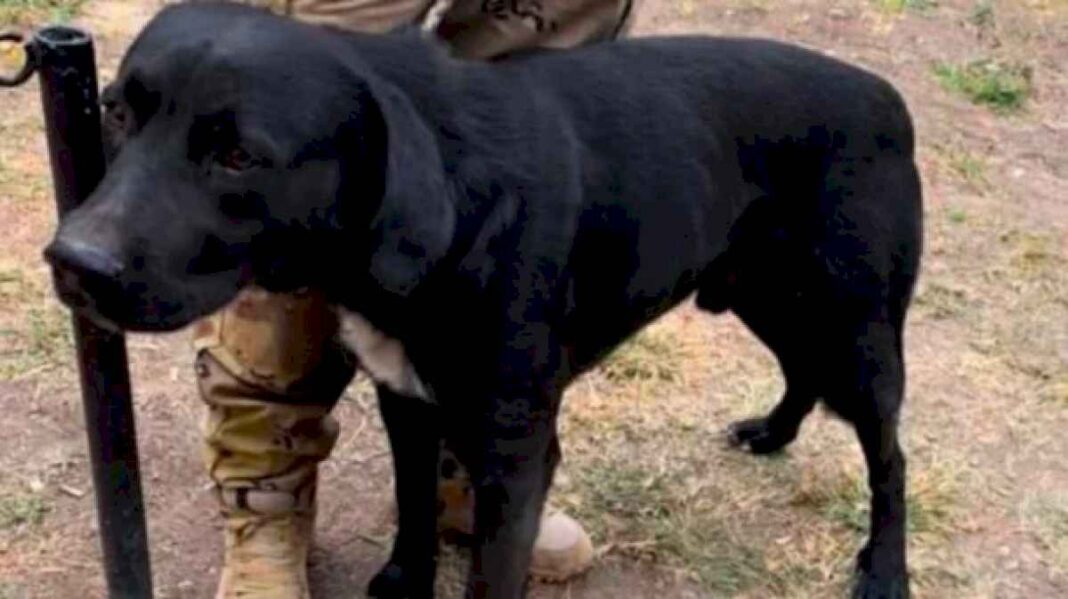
846	501
28	11
1003	87
897	6
957	215
964	165
11	591
652	355
49	331
969	167
650	516
20	510
982	15
43	339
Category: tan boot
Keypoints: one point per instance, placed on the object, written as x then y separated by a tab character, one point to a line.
267	548
562	549
263	458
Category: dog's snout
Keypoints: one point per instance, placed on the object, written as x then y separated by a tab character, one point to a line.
86	277
83	259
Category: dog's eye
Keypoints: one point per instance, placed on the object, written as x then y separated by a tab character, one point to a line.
117	119
235	159
115	114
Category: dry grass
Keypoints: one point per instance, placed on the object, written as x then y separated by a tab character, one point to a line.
647	470
968	167
899	6
638	452
653	356
843	498
940	301
669	519
35	332
22	12
10	591
1047	516
34	328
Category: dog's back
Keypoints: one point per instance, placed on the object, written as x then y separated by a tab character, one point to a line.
704	155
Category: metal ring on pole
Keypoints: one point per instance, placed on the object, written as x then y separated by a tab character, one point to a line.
28	67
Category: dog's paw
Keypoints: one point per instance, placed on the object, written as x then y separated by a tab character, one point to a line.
870	585
391	583
877	578
388	583
756	436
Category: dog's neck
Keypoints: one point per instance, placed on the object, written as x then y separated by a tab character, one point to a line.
442	182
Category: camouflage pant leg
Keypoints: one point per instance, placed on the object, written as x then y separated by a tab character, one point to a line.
476	28
270	371
490	28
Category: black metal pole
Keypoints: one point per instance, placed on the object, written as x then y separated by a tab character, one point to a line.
66	67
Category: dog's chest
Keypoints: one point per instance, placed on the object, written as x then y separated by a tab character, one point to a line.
383	358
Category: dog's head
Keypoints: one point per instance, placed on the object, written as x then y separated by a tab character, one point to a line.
241	146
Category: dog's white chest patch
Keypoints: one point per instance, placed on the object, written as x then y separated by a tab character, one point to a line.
382	357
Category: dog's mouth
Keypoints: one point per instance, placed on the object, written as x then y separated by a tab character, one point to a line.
99	320
111	306
85	305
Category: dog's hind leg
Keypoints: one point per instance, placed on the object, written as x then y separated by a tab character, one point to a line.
870	254
779	427
868	392
830	300
761	287
858	371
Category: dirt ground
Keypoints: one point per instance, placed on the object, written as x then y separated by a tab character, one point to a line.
674	512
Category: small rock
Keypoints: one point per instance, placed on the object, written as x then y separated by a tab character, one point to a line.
73	492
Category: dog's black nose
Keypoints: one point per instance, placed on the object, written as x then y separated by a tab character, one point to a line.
83	260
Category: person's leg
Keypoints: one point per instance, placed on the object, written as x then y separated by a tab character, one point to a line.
270	373
495	28
375	16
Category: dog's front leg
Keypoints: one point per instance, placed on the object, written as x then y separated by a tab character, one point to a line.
413	427
516	454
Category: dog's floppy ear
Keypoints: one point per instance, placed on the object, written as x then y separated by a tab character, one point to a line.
414	223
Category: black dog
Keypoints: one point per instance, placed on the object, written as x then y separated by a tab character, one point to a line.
503	226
